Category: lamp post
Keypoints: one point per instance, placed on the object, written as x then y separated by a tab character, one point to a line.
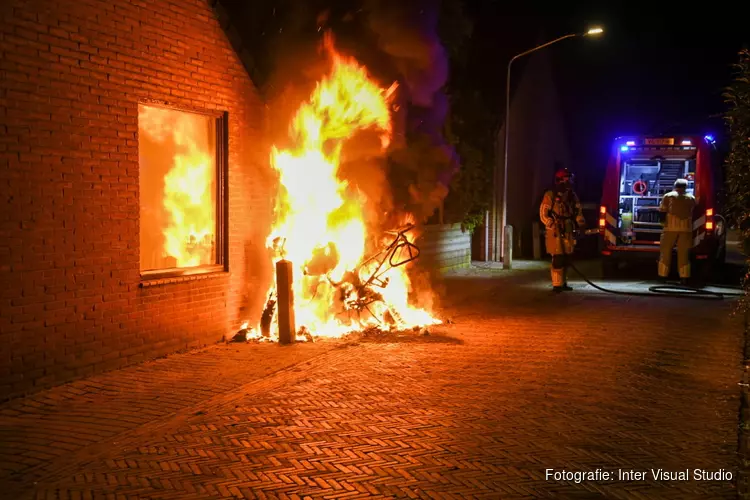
505	253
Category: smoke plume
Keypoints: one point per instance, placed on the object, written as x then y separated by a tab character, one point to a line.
394	39
422	163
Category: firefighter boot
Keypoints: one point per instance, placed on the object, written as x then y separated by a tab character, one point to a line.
556	271
565	287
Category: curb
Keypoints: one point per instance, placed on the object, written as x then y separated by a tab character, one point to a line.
743	448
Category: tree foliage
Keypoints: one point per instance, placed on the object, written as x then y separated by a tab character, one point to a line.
737	116
470	126
471	189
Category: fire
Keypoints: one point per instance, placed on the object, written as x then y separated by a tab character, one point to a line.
188	197
320	223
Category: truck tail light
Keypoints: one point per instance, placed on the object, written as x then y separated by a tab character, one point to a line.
602	218
709	219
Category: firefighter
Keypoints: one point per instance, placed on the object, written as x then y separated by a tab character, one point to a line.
677	219
560	212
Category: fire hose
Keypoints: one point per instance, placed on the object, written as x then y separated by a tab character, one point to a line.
668	290
664	290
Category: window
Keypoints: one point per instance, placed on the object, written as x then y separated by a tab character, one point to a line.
182	175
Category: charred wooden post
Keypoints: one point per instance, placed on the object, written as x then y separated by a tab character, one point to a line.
285	302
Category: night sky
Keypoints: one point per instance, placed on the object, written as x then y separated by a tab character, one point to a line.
650	72
654	70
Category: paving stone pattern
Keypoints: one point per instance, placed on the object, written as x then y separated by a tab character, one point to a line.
523	381
49	426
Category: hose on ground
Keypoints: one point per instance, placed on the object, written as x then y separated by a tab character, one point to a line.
678	291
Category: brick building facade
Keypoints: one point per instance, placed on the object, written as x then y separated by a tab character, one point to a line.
74	298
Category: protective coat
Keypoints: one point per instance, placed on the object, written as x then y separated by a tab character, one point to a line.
678	229
560	212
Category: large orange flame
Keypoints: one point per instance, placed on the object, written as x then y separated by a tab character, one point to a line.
320	223
188	199
186	152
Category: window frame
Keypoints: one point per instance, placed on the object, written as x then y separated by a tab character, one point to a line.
221	119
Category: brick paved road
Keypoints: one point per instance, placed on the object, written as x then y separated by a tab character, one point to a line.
523	381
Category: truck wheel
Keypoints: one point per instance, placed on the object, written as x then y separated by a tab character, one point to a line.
705	272
721	258
716	268
610	268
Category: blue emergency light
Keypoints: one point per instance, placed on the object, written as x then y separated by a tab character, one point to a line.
710	139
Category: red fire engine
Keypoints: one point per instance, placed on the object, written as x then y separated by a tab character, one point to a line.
641	170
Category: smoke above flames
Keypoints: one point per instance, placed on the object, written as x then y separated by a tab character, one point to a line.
395	40
422	164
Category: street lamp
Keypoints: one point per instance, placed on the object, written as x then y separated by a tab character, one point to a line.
506	255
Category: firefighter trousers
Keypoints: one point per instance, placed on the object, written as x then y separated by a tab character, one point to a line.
560	247
684	241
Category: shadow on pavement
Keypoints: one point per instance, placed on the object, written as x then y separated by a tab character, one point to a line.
431	336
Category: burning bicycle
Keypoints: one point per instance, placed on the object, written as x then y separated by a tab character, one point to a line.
320	231
360	293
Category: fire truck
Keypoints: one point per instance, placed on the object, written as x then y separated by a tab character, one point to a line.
640	171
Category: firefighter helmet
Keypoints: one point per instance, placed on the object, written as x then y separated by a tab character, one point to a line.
563	175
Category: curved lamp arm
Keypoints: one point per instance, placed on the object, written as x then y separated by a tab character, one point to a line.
593	31
571	35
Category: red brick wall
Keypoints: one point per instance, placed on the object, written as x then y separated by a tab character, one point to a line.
71	77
